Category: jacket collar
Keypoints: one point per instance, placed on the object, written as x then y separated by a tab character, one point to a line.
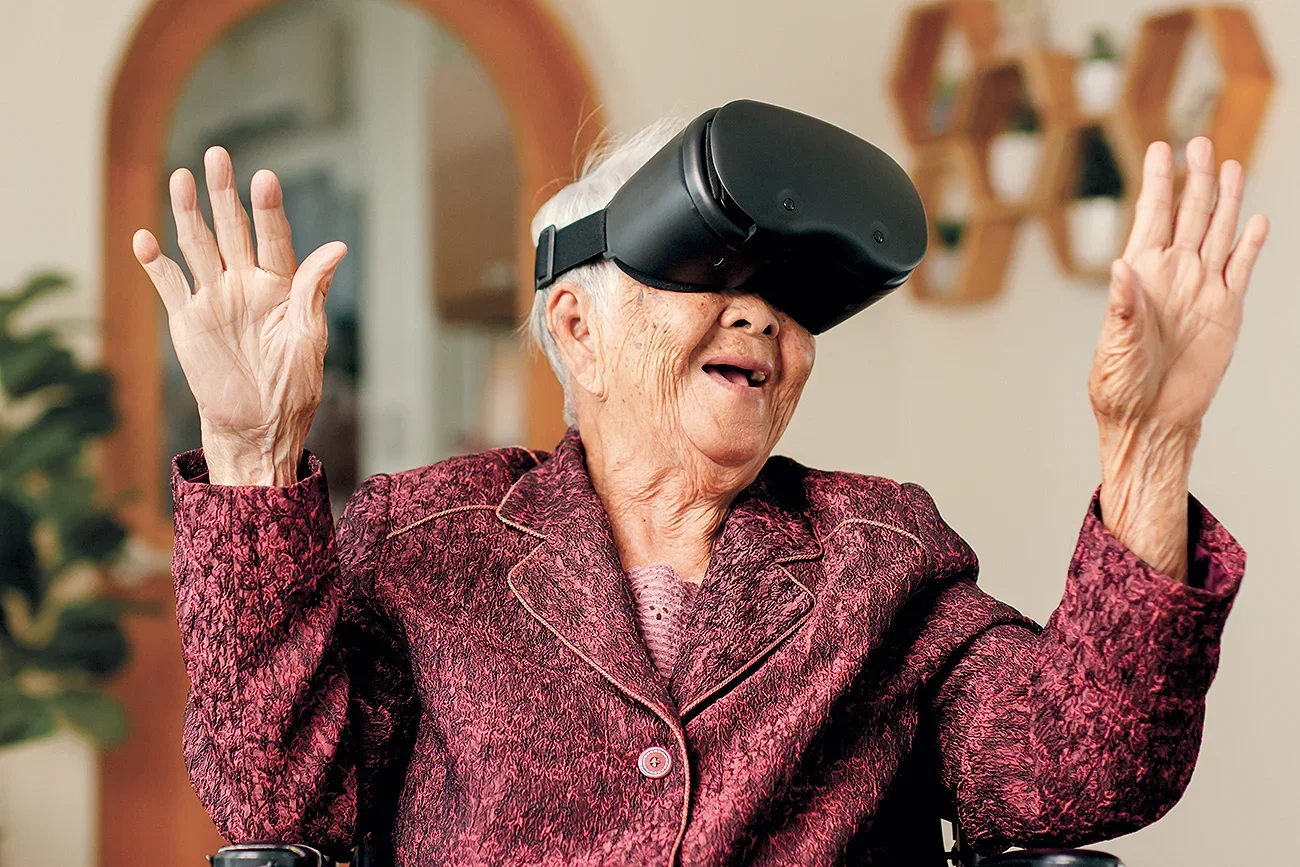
573	581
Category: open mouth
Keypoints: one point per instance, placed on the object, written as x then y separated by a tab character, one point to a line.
737	375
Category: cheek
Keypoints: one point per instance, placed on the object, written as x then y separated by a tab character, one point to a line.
663	329
800	354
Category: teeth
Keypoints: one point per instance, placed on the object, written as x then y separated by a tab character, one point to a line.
758	376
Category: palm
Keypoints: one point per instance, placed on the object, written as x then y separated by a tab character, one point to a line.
251	338
1176	297
235	346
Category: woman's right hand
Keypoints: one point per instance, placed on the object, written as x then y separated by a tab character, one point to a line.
251	337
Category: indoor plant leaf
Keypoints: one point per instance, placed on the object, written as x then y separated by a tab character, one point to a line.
96	537
86	638
22	717
36	286
40	446
33	362
92	713
19	567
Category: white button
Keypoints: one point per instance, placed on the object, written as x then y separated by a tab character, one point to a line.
655	762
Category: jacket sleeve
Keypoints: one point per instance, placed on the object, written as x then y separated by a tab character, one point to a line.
1087	728
301	712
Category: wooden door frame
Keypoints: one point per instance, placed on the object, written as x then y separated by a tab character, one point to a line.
147	809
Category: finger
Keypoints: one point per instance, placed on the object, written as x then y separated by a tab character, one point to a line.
167	276
197	243
1151	222
274	237
1198	195
228	215
1223	226
1242	261
311	283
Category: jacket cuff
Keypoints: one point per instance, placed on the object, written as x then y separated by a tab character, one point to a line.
1108	581
218	526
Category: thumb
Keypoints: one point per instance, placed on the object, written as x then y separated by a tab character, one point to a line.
311	282
1122	302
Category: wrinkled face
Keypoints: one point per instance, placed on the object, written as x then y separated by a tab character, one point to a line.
720	372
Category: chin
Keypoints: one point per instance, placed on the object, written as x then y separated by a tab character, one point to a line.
732	445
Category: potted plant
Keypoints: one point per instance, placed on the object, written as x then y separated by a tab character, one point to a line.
1013	154
60	632
945	258
1097	79
1096	213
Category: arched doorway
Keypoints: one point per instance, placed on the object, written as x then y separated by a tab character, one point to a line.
146	805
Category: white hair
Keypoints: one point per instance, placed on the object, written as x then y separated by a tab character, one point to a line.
605	170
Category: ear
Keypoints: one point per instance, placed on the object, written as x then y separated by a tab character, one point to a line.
569	316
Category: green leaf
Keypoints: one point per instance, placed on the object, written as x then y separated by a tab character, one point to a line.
96	537
42	283
19	567
86	638
22	717
1099	173
950	232
49	447
93	713
35	362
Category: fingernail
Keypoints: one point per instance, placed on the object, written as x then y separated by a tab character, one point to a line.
1201	152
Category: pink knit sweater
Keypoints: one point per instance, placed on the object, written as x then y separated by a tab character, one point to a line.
663	605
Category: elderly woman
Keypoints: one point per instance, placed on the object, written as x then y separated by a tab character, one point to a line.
658	644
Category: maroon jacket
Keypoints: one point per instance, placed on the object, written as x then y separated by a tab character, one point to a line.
458	670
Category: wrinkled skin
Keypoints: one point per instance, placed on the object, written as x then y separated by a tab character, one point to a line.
669	445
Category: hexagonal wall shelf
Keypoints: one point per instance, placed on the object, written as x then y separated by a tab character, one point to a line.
1060	191
969	248
1009	163
1239	108
1090	198
916	65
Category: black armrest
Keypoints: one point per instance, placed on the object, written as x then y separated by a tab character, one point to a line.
269	855
1052	858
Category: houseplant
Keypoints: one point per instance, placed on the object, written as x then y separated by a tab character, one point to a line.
1096	213
1014	153
1097	79
945	258
60	632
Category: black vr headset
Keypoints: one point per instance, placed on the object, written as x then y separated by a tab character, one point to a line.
761	199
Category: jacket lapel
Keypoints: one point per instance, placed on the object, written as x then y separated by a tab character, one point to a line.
751	599
572	582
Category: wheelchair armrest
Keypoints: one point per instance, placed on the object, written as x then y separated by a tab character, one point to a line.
269	855
1052	858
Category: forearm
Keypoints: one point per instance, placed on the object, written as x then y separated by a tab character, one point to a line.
262	602
1143	495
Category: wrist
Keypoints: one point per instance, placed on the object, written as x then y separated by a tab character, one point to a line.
1145	470
266	458
1147	455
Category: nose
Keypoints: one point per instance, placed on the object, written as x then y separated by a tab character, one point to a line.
751	313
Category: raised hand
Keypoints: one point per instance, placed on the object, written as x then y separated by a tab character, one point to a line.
251	337
1173	315
1176	295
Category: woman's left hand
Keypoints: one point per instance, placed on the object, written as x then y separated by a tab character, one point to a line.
1172	320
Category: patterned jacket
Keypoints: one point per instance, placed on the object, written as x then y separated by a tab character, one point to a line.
456	672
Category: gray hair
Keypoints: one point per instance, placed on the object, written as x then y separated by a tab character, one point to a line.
605	170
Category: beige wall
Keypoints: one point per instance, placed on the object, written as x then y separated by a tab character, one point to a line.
986	407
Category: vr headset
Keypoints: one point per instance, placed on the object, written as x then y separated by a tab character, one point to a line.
755	198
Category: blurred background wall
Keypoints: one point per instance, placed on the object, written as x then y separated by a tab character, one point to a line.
987	406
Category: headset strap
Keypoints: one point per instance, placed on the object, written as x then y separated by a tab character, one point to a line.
560	250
